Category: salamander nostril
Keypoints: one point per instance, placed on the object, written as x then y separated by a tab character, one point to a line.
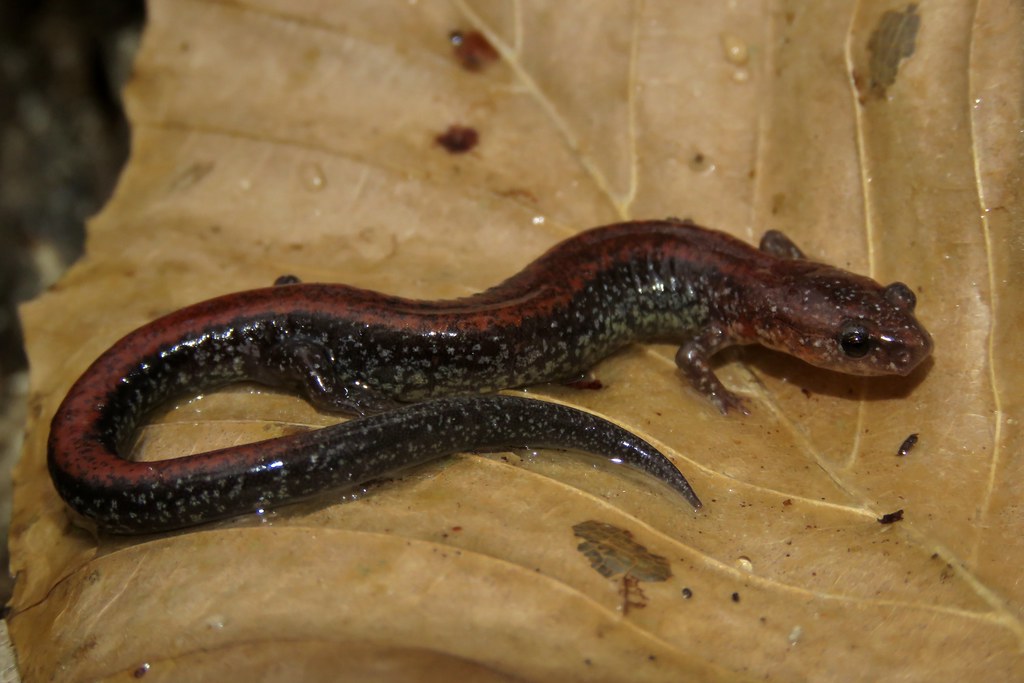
898	294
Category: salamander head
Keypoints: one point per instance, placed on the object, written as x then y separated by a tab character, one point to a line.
844	322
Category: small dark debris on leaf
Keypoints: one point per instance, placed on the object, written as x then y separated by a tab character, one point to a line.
735	597
472	50
458	139
891	517
907	445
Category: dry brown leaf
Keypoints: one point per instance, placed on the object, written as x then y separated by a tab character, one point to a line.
279	137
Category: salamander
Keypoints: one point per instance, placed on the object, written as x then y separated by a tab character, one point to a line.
361	352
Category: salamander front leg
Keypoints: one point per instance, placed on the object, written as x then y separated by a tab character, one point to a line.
308	366
777	244
693	359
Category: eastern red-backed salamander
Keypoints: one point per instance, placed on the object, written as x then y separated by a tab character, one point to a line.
357	351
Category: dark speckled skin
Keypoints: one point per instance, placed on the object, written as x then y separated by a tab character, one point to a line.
144	497
354	350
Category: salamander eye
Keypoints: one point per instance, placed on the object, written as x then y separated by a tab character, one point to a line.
854	340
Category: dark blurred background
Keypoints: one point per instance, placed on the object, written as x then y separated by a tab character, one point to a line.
63	142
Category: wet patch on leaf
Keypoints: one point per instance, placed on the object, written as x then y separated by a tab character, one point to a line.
612	551
891	43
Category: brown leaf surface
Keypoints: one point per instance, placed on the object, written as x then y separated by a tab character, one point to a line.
279	137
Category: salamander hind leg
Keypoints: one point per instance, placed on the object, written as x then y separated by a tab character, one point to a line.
693	359
777	244
309	367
